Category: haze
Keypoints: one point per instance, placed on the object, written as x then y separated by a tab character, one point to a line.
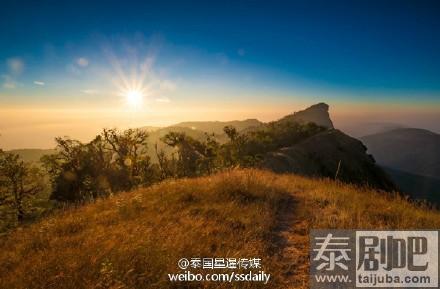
73	68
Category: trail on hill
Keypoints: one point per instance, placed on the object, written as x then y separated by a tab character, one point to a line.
292	240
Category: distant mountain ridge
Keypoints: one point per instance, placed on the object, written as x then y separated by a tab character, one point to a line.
411	150
217	126
32	155
362	129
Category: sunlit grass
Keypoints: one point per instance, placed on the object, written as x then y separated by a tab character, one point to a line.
132	240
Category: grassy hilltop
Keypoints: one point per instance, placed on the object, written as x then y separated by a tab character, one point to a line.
134	239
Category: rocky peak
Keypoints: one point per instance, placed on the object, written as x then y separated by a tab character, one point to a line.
317	113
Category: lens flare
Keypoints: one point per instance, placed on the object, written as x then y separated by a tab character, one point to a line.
134	98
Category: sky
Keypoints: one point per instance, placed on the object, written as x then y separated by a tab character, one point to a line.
74	67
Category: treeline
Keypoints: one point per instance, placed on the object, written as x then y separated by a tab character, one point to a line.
117	161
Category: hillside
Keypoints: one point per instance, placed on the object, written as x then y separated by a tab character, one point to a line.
196	130
217	126
411	150
330	154
360	129
134	239
416	186
32	155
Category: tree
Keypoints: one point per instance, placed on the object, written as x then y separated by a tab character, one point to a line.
112	162
19	182
79	172
192	154
129	152
167	165
231	132
233	153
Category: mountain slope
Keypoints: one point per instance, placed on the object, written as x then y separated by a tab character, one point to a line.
330	154
133	240
32	155
360	129
216	127
410	150
196	130
416	186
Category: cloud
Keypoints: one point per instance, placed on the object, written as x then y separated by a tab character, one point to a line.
15	65
90	91
8	82
241	52
82	62
163	100
37	82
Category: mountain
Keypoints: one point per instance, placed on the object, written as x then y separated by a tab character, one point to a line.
318	114
360	129
150	128
32	155
330	154
197	130
135	239
216	127
411	150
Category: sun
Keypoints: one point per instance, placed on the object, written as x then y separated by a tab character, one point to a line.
134	98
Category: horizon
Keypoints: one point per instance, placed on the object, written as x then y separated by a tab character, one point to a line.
73	69
351	128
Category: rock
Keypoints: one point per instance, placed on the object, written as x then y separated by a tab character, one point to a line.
318	114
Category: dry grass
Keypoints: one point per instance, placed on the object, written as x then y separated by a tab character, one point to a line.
134	239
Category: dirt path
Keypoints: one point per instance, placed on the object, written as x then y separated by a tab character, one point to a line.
293	243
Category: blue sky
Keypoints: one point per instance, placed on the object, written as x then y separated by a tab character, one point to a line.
353	44
195	53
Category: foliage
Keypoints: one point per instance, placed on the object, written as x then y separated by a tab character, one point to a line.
19	182
197	158
118	160
114	161
193	157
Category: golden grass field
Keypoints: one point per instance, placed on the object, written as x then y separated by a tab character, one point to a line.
134	239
